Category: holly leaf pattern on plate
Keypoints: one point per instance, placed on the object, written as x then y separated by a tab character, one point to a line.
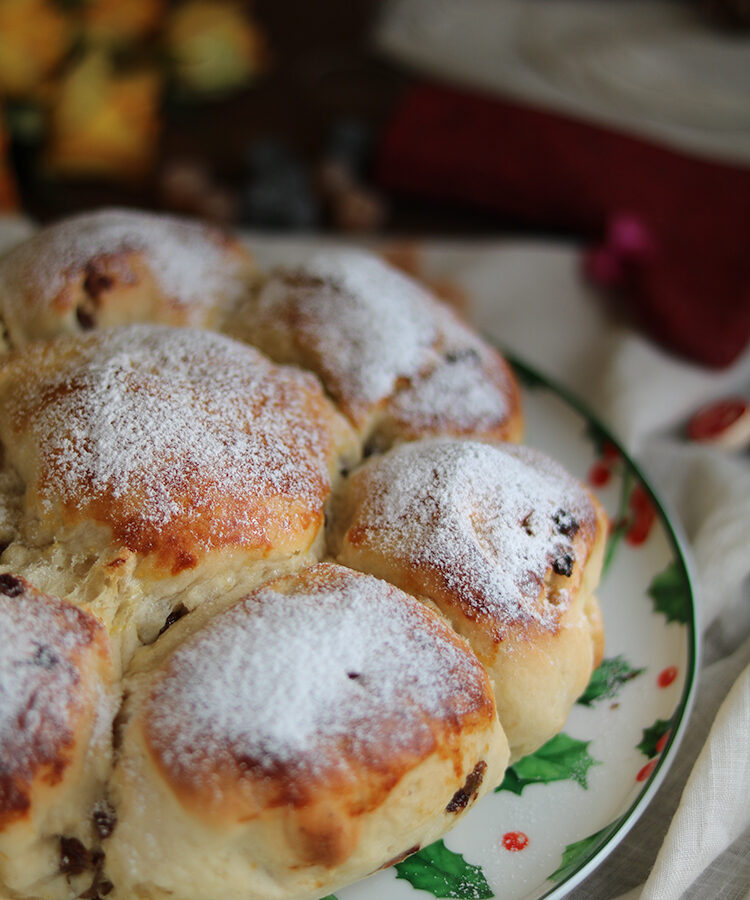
576	854
650	744
671	594
607	680
562	758
443	873
621	520
598	437
329	897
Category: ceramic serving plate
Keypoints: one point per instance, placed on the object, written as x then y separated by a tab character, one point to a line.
560	811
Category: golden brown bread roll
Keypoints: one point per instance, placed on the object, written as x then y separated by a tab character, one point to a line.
154	459
311	733
507	545
397	362
279	736
117	266
57	701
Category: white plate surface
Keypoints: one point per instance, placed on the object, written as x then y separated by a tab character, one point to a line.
564	809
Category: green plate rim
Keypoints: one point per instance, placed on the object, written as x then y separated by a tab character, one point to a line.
620	826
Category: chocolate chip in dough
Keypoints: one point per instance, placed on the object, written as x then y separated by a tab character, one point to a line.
565	523
74	857
10	585
105	819
177	613
463	796
44	657
563	565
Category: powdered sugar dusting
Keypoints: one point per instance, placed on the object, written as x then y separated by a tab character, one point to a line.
480	516
175	424
364	322
342	665
188	259
38	680
455	394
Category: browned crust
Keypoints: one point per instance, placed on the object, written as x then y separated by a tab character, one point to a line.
399	857
345	776
324	811
285	521
506	426
118	285
50	748
461	598
290	313
92	287
268	526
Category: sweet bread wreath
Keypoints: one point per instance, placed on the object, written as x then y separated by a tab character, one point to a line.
280	594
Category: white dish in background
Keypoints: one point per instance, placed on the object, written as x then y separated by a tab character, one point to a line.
656	69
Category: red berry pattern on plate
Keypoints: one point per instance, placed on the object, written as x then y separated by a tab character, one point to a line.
642	516
652	736
667	676
655	739
636	513
646	770
599	474
662	742
515	841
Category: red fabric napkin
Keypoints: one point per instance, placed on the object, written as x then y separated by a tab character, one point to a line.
674	229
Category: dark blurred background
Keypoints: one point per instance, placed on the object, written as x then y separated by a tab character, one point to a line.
620	124
129	106
231	110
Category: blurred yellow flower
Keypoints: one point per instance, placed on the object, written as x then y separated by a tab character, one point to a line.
120	21
104	122
34	37
214	46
